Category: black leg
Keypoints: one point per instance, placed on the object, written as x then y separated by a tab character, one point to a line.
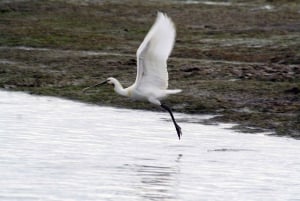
178	129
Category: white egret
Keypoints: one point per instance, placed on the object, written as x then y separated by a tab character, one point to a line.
152	76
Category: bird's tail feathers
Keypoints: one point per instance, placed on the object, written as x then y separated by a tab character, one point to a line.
173	91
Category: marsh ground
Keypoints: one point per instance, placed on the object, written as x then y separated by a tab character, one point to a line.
240	59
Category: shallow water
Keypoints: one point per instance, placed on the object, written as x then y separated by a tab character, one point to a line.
55	149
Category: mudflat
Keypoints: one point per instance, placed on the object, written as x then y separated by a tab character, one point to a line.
240	60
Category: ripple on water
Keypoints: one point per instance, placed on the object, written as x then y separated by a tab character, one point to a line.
54	149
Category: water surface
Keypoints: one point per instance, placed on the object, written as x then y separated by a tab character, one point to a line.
55	149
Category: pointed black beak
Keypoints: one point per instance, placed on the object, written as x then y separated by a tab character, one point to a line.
101	83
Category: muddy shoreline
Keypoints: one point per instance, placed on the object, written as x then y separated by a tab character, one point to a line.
240	60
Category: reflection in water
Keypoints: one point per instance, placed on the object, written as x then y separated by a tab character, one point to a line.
178	158
158	182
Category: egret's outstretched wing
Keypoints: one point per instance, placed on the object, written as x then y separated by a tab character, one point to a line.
153	53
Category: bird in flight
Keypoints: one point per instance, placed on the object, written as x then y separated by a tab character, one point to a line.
151	82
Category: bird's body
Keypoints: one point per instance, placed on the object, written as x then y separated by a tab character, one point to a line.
151	82
152	75
141	94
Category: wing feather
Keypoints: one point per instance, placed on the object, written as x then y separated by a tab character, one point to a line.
153	53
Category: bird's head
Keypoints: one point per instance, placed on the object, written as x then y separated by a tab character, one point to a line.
110	81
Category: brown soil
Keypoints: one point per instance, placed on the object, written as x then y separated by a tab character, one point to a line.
240	60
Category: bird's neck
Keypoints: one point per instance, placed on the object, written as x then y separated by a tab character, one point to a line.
119	89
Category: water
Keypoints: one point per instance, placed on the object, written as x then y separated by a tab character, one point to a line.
55	149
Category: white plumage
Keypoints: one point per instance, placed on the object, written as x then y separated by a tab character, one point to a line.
153	53
151	82
152	75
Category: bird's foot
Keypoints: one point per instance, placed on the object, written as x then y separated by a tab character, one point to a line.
178	129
